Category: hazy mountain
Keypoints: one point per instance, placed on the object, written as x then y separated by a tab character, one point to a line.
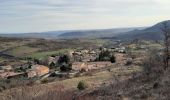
153	33
72	33
95	33
150	33
50	34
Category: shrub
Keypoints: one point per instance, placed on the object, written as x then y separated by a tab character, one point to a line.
64	59
36	61
47	80
82	85
66	67
44	81
106	56
113	59
153	63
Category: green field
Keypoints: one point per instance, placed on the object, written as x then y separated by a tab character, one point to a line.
97	41
22	51
41	55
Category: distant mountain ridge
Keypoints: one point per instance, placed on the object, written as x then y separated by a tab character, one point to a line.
50	34
71	33
96	33
150	33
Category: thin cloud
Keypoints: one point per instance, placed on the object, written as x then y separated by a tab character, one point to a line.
46	15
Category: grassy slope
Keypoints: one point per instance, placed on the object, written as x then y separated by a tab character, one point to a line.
22	50
96	80
40	55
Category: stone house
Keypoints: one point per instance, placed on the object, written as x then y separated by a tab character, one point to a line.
84	51
52	59
77	66
37	70
77	53
92	52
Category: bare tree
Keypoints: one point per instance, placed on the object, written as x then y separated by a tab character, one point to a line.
166	33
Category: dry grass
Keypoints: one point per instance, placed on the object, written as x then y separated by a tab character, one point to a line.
151	84
43	91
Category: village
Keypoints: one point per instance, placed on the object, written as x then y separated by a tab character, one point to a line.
78	69
81	68
70	63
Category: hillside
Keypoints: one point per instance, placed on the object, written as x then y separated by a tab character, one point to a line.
95	33
150	33
45	35
71	33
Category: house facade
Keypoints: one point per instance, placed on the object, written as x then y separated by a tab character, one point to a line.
38	70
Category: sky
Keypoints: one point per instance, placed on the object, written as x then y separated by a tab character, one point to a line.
18	16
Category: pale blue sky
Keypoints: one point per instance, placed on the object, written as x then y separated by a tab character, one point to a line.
51	15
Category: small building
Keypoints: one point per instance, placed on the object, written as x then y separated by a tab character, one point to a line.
70	53
92	52
122	51
84	51
38	70
9	75
122	48
77	53
52	59
77	66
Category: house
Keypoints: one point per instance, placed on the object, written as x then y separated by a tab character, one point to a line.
92	52
9	75
70	53
38	70
77	53
77	66
84	51
52	59
122	48
122	51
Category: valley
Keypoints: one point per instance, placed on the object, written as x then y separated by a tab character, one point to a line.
82	68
